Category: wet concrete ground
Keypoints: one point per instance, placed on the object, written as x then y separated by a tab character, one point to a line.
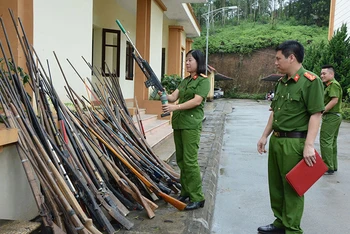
242	198
235	181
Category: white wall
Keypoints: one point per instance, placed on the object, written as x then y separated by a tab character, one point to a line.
105	14
342	14
65	27
191	19
16	198
183	46
156	40
165	42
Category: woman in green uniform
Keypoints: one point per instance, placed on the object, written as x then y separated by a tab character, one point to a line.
187	124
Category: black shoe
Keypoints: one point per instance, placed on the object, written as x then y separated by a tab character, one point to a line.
183	198
195	205
271	229
329	172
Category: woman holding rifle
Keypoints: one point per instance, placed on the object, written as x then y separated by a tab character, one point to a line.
187	124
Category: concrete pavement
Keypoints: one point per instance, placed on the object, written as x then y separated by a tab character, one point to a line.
168	220
242	199
235	181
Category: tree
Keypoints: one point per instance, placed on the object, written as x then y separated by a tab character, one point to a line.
337	53
308	12
199	9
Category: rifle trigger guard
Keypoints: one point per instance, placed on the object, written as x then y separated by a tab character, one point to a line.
149	83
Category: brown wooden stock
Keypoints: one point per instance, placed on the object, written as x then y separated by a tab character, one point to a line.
48	175
50	199
176	203
121	219
124	154
59	185
132	189
154	159
134	192
39	199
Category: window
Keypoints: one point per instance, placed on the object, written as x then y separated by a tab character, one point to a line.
92	50
110	51
129	62
182	64
163	62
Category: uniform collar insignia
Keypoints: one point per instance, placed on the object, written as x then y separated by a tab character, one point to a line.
296	78
329	82
195	77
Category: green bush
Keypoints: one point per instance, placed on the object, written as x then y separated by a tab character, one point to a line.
22	74
255	96
248	37
346	113
171	82
335	52
346	110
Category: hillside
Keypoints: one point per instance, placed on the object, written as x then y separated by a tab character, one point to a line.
248	37
246	52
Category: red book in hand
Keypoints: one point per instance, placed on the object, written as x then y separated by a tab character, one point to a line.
302	177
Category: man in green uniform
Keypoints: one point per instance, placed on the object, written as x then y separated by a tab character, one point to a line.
331	118
294	120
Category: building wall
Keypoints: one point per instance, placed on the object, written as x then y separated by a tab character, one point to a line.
182	45
166	23
183	50
16	198
64	27
105	14
342	14
156	39
193	18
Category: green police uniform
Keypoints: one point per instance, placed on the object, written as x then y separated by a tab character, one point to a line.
187	125
330	125
296	99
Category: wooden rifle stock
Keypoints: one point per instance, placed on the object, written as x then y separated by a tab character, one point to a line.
176	203
26	163
28	132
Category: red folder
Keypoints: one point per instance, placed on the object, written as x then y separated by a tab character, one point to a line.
302	177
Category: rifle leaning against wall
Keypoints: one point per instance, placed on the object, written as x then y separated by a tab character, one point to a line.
152	79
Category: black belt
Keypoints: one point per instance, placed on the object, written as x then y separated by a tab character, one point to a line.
334	113
290	134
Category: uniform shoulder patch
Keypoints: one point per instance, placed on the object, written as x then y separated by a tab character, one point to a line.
309	76
204	75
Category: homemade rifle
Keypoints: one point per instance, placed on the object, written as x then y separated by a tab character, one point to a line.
152	79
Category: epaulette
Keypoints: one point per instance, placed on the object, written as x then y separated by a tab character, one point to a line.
280	79
204	75
309	76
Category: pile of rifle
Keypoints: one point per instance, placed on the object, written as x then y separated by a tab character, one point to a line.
87	166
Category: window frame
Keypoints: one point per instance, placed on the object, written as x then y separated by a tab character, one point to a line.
129	62
105	46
